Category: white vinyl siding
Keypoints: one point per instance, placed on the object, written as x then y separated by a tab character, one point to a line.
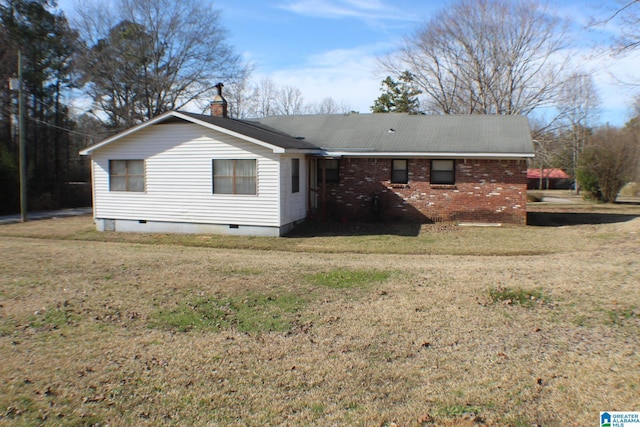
178	164
293	205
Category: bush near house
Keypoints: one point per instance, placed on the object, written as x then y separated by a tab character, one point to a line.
608	162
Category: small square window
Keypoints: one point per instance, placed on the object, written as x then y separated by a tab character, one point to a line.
399	171
126	175
443	172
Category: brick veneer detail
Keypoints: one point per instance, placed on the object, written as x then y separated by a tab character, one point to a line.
487	191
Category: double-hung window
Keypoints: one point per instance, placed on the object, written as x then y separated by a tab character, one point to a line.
126	175
443	172
399	171
234	176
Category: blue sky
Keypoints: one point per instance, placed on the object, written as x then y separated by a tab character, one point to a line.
328	48
288	33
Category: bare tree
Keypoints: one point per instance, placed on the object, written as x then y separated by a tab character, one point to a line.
636	106
263	98
634	123
544	145
145	57
289	101
268	99
484	57
626	17
577	103
329	105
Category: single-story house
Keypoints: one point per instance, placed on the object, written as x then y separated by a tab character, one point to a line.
552	179
193	173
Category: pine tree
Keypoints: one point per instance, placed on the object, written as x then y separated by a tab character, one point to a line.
47	45
398	96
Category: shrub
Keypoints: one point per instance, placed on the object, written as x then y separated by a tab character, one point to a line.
588	184
608	163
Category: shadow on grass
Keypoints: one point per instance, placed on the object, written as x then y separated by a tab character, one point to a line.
558	219
632	201
312	228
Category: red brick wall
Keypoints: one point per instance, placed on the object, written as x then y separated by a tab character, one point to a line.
491	191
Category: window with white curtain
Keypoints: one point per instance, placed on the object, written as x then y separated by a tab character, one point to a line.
126	175
234	176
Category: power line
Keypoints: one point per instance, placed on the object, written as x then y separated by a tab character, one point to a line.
61	128
48	106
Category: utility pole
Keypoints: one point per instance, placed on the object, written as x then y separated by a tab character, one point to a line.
21	144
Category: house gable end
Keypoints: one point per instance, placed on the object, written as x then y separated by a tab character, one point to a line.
283	143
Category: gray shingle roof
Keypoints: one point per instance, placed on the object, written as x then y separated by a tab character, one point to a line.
404	133
255	130
475	135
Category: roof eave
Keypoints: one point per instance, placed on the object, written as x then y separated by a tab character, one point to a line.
427	154
315	151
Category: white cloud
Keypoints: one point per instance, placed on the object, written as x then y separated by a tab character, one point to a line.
346	75
335	9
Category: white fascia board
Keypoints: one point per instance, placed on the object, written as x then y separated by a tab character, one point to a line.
317	152
435	155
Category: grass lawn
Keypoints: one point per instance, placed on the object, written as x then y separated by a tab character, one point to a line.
443	325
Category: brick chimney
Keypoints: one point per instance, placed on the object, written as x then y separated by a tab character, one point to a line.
219	104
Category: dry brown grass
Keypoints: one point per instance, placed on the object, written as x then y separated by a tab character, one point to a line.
421	343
